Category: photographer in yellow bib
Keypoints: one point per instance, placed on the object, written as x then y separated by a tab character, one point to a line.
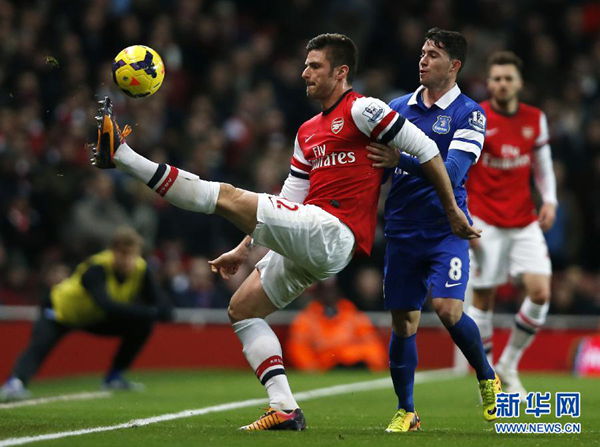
112	293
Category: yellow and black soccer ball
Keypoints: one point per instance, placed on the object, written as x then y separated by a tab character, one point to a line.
138	70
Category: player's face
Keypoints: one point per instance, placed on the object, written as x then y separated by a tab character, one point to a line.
125	258
504	83
435	66
318	75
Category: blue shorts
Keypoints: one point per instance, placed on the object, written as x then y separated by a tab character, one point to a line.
417	266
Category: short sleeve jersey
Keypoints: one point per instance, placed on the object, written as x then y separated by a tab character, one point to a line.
499	185
330	151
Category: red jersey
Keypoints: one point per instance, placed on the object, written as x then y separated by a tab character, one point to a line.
330	151
498	187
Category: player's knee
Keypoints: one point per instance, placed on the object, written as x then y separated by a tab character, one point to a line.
540	295
404	325
448	314
234	313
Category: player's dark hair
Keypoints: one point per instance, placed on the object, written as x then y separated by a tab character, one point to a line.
452	42
505	58
340	50
125	237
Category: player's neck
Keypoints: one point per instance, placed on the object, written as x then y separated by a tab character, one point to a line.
431	95
505	108
335	95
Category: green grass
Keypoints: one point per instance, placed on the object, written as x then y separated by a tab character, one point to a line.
449	411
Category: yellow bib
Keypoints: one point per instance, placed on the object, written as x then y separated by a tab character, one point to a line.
74	306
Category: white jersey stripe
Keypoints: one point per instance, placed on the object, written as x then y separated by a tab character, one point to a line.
469	134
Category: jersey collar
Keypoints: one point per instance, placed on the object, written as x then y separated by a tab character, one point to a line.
443	102
330	109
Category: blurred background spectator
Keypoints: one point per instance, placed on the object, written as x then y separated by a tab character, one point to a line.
228	110
332	333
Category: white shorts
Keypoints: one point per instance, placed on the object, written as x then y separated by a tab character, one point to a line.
508	252
308	244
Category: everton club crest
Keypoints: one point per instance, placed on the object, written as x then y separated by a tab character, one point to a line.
442	124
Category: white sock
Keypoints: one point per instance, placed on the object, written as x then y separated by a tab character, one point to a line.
530	318
179	187
263	352
483	319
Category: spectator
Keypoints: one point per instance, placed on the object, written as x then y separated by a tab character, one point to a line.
331	332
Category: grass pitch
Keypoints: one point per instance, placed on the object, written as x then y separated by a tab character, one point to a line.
449	412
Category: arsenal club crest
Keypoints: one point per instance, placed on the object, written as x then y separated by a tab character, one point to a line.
527	132
337	125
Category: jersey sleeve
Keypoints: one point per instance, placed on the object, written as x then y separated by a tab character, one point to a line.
470	134
543	174
299	166
295	189
543	136
380	123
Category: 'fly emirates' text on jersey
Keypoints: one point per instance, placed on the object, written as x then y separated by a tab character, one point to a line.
454	122
499	185
330	151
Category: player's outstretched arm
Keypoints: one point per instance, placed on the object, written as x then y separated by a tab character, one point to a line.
435	171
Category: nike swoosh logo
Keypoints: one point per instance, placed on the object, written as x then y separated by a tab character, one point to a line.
453	285
308	138
492	411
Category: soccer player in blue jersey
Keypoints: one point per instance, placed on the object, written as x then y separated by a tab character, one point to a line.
423	257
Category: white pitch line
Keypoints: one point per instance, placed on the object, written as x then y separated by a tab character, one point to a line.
421	377
63	397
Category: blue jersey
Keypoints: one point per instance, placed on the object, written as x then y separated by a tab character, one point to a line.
455	121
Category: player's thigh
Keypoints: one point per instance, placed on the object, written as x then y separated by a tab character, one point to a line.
404	276
282	279
305	234
449	268
250	300
490	260
529	252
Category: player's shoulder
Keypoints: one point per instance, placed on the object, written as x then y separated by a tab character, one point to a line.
400	101
467	105
468	113
529	110
367	108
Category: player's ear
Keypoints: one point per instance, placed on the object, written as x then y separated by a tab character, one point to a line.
341	72
455	65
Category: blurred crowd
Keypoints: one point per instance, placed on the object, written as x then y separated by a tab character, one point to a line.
228	110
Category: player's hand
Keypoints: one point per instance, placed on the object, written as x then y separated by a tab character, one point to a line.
461	227
546	216
474	244
228	263
383	156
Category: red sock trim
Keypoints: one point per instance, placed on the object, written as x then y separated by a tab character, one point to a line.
166	185
528	321
274	360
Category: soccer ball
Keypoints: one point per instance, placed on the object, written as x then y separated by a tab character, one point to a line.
138	70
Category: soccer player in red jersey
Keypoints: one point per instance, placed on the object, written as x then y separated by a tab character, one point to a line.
325	213
500	201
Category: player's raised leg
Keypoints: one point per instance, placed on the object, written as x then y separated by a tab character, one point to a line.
181	188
